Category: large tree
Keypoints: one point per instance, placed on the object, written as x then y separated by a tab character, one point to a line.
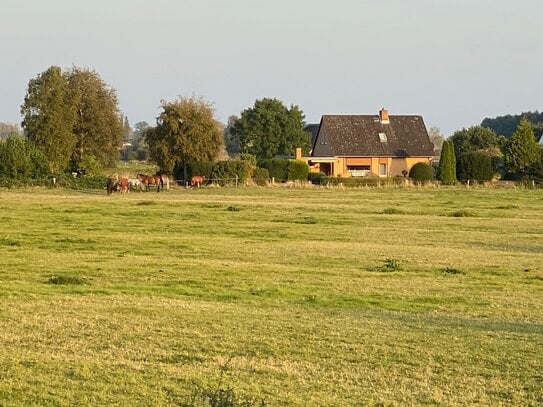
72	116
49	117
270	128
186	131
521	151
99	127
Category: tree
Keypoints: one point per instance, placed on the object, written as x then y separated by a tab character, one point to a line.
231	140
70	115
507	125
127	131
269	129
8	129
186	131
447	164
521	151
49	117
436	137
98	128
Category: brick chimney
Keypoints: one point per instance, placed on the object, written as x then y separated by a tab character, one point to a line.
298	153
383	116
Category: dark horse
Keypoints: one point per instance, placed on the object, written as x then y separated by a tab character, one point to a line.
149	180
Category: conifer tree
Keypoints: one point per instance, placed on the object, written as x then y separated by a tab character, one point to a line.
522	150
447	164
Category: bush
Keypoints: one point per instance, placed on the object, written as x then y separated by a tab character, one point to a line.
318	178
277	168
261	176
227	172
475	166
421	172
298	170
21	159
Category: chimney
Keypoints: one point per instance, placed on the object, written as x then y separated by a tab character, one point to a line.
383	116
298	153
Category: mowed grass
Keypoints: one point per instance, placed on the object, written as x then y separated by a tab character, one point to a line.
321	297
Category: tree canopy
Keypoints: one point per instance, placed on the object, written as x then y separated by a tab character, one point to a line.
521	151
186	131
507	125
475	138
270	128
72	117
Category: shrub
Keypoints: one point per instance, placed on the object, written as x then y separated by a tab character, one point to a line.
421	172
318	178
298	170
261	176
475	166
227	172
277	168
391	265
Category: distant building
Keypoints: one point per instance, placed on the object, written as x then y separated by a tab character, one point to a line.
369	145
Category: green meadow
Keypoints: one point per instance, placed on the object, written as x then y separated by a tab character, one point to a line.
298	297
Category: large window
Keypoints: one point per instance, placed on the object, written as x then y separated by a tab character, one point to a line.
358	170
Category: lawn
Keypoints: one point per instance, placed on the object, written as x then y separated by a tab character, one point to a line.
319	297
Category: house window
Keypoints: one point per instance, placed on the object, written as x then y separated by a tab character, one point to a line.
383	170
383	137
358	170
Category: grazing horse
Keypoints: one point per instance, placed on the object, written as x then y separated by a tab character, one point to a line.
197	181
149	180
123	186
111	186
136	184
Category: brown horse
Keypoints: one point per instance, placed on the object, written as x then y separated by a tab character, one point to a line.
123	186
149	180
197	180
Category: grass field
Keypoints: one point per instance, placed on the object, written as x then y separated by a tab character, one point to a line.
300	297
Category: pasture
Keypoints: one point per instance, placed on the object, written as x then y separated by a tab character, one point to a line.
300	297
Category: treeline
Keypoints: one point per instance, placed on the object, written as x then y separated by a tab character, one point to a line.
479	154
72	124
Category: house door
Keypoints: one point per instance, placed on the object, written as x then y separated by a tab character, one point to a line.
383	170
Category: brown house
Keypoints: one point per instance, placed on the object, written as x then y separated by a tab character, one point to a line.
369	145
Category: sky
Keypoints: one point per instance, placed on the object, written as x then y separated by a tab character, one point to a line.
454	62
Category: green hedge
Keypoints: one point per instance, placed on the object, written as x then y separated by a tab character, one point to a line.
475	166
261	176
298	170
277	168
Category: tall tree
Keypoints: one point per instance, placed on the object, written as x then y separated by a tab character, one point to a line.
270	128
98	128
49	117
231	140
521	151
447	164
436	137
72	116
186	131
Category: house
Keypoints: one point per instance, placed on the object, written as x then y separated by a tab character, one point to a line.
369	145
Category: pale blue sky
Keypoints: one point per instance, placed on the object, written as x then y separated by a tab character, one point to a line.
453	61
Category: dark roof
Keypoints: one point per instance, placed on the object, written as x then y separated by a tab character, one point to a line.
358	136
313	129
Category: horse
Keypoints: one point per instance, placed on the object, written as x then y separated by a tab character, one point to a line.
135	183
149	180
123	186
111	185
197	180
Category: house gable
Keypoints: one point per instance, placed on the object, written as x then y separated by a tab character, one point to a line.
371	136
